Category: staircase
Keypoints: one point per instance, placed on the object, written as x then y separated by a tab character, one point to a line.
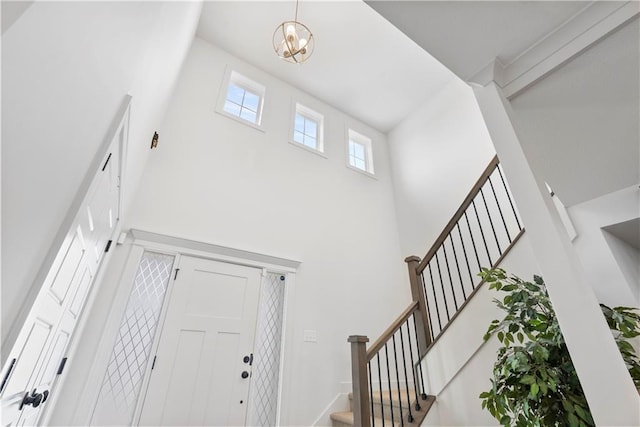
385	405
389	387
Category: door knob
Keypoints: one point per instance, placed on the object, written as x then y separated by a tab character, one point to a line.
244	374
34	399
248	359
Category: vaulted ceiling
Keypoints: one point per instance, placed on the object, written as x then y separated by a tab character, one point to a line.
361	65
378	61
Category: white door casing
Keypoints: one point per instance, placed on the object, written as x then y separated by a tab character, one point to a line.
209	328
39	353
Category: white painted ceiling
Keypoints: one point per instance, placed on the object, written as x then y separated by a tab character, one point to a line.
374	60
361	65
468	35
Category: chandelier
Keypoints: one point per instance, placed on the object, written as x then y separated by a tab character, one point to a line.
293	41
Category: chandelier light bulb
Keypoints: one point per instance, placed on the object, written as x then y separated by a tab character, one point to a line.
291	32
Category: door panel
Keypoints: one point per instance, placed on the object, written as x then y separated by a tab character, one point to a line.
81	292
210	326
68	269
27	358
183	393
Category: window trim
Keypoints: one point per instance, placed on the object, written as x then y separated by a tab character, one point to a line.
242	81
359	138
310	114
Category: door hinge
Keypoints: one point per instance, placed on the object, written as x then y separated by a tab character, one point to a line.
106	249
8	374
63	362
176	275
153	364
106	163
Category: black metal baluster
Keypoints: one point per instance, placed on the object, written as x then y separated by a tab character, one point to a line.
495	236
380	388
446	306
504	223
455	257
435	300
406	377
424	395
506	190
395	360
473	202
446	262
473	244
373	419
466	257
413	367
386	353
427	301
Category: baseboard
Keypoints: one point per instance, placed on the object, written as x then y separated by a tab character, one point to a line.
339	404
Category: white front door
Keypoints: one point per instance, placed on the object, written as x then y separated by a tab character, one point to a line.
201	376
39	354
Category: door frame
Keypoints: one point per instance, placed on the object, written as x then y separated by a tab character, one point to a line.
141	241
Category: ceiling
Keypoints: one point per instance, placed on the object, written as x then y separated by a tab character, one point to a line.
374	60
468	35
362	64
628	232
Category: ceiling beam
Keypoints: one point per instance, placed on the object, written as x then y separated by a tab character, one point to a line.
577	34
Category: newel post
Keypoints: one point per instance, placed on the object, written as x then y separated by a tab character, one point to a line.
360	402
417	292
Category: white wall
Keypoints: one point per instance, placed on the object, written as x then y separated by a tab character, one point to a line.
215	180
437	155
460	365
613	277
66	67
579	125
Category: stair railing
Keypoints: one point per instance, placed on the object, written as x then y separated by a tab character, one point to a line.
480	233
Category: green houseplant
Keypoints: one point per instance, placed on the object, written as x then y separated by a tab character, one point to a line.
534	381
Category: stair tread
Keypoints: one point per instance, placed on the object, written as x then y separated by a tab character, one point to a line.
346	417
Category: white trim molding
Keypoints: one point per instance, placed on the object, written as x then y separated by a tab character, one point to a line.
578	33
213	251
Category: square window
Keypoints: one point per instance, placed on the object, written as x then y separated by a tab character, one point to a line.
360	155
307	129
243	99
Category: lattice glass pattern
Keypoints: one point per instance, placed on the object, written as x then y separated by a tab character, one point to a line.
266	361
130	355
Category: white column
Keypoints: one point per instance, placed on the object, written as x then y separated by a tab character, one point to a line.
610	392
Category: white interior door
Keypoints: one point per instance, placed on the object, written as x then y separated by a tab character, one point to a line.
39	353
201	376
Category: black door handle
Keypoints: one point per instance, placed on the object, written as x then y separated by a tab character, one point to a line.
34	399
244	374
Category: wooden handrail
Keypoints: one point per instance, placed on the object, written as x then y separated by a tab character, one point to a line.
392	329
461	210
